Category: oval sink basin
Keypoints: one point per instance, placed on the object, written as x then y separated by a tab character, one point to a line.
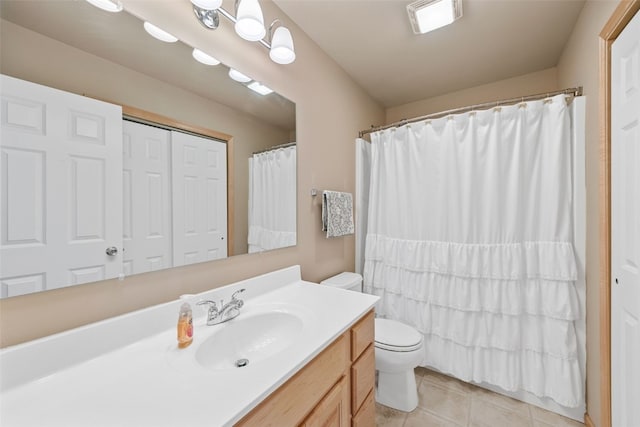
249	339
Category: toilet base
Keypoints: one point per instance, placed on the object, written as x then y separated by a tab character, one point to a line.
397	390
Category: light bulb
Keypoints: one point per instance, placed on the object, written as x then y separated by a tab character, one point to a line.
207	4
108	5
159	33
204	58
282	51
249	21
238	76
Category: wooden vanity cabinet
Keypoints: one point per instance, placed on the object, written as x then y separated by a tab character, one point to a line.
363	372
335	389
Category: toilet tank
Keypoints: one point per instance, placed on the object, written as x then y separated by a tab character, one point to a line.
346	280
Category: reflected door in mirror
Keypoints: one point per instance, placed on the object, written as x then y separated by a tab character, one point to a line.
60	188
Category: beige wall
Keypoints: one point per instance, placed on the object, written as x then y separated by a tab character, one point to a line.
528	84
76	71
331	109
578	65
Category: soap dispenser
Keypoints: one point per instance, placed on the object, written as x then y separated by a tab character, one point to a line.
185	324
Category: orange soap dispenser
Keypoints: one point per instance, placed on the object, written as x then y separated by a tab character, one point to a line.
185	324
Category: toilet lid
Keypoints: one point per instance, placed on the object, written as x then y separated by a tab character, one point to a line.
395	336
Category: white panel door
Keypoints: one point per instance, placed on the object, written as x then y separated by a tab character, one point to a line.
625	227
199	175
146	198
60	188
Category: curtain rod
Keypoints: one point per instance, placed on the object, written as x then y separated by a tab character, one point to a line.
574	91
275	147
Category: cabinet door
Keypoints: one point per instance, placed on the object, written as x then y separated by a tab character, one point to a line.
333	409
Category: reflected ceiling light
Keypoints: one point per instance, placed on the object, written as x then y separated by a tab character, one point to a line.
238	76
159	33
260	88
428	15
207	4
282	51
204	58
108	5
249	20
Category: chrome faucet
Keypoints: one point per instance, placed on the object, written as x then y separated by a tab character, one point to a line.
227	312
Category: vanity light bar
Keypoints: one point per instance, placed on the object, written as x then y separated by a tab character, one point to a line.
249	24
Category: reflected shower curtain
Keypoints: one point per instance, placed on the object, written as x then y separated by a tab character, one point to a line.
470	240
272	199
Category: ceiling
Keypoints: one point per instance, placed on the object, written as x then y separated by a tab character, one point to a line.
373	42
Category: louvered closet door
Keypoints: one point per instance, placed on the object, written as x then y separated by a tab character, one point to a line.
199	175
60	188
625	226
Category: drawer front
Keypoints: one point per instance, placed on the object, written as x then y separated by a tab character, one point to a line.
363	376
289	404
366	416
362	334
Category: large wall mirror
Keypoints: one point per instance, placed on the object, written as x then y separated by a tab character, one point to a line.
205	167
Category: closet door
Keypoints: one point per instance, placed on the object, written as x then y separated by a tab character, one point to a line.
60	188
199	174
625	226
146	198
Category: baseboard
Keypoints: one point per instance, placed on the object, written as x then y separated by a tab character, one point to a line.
587	420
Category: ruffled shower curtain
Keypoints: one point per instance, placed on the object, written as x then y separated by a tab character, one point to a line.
272	199
470	240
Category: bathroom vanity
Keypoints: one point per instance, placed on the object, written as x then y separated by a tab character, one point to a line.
333	389
308	347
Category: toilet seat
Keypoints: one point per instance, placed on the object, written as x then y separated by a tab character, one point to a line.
395	336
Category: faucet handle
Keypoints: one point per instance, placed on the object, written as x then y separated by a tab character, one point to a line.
239	303
212	304
233	296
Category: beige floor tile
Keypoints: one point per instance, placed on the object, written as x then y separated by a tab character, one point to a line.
538	423
389	417
419	374
444	402
420	418
486	414
553	419
500	400
446	381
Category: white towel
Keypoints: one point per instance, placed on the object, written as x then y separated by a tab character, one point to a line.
337	213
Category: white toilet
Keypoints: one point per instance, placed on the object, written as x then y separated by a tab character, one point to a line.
398	349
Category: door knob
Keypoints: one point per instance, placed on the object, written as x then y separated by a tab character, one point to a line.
112	251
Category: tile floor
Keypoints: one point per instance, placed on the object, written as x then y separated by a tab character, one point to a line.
448	402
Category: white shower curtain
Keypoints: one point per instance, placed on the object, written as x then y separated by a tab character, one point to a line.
272	199
470	240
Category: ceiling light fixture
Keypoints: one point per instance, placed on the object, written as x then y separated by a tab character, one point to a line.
159	33
108	5
204	58
249	20
428	15
259	88
249	24
282	51
238	76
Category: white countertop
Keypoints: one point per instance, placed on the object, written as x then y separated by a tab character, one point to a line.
152	383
